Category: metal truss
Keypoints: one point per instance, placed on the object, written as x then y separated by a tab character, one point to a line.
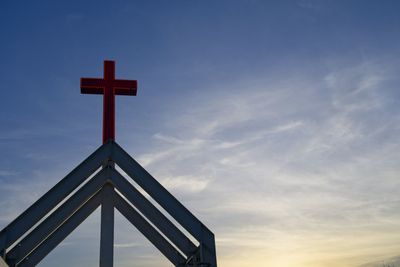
96	182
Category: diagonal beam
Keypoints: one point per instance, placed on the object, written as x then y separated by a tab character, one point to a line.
148	231
168	202
62	232
3	263
153	214
43	230
48	201
157	191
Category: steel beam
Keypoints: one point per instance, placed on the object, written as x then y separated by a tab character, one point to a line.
107	226
43	230
152	213
48	201
167	201
62	232
3	263
149	232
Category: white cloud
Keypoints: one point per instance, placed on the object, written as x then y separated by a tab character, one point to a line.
308	157
127	245
185	183
8	173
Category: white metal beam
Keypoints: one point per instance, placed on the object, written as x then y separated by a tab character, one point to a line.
62	232
55	219
166	200
149	232
152	213
55	195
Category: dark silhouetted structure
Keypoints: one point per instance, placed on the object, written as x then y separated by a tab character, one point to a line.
97	182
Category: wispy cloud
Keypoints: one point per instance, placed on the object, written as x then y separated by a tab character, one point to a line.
126	245
302	164
7	173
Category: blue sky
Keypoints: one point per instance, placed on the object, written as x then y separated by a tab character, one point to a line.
275	122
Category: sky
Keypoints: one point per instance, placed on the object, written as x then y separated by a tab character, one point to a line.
275	122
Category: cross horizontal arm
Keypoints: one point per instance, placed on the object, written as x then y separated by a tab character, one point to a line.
92	86
96	86
125	87
119	91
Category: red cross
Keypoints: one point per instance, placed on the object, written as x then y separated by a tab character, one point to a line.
109	87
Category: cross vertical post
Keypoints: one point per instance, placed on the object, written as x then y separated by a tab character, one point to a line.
109	102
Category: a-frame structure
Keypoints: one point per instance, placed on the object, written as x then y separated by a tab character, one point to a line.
98	182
